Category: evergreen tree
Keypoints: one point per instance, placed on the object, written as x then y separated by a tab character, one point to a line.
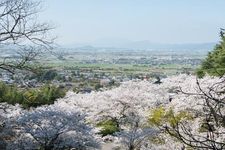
214	64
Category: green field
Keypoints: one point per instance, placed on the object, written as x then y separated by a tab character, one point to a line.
117	68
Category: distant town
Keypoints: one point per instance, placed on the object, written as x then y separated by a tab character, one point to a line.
87	69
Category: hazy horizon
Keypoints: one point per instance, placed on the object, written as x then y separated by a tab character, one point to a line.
99	22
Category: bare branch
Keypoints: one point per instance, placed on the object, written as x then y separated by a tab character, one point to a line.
19	27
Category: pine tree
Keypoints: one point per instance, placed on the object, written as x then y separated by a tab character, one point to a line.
214	64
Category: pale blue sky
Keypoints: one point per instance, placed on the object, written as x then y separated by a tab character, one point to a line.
160	21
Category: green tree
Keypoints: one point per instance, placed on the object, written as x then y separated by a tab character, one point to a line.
47	75
214	64
108	127
31	97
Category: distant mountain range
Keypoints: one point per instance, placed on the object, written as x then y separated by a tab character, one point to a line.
157	46
145	45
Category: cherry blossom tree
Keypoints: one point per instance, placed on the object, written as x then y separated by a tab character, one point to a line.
135	134
7	114
210	134
130	105
139	97
48	128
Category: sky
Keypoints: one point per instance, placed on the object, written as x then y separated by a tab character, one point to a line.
157	21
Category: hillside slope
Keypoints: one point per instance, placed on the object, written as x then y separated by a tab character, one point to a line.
129	105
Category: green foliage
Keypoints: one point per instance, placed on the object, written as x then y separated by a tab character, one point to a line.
160	116
46	75
214	64
45	95
30	98
174	119
200	73
98	86
108	127
10	94
157	115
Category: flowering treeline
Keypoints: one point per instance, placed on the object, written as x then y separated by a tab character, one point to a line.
78	120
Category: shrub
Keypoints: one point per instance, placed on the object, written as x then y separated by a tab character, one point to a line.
108	127
157	116
10	94
31	97
160	116
45	95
